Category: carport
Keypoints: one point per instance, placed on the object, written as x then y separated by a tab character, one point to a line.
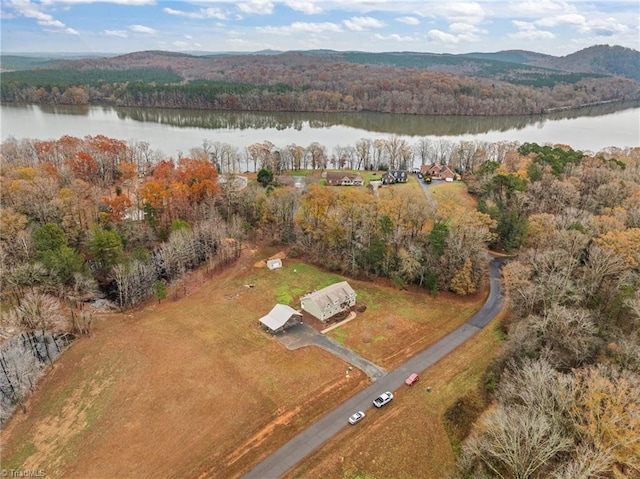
280	318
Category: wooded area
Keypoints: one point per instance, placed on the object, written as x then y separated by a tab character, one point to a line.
94	216
565	389
314	82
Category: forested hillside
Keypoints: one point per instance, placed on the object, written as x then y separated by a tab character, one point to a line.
405	83
599	59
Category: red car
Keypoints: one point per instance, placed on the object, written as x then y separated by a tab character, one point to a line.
411	380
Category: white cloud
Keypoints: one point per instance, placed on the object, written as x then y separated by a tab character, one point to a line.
302	27
116	33
540	8
574	19
528	31
604	28
257	7
303	6
461	33
359	24
28	9
182	45
203	13
464	28
532	35
464	12
594	26
143	29
524	25
408	20
394	37
442	37
119	2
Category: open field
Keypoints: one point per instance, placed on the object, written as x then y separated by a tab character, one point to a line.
193	386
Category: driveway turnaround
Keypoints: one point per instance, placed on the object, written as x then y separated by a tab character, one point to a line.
304	335
307	441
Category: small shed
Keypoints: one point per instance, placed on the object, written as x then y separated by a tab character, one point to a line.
280	318
274	263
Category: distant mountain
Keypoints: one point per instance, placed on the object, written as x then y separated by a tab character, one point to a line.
510	56
598	59
30	61
509	65
18	62
602	59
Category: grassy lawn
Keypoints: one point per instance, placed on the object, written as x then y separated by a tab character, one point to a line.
398	324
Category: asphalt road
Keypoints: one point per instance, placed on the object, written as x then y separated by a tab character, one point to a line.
307	441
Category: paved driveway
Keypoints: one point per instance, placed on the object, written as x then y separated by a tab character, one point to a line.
304	335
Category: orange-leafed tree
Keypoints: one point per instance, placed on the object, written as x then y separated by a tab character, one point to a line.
179	192
83	166
116	208
625	243
607	417
200	177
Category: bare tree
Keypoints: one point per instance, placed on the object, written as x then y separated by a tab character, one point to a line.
587	463
363	153
38	312
20	370
424	150
514	442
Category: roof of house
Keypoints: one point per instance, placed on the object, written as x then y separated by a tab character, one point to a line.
278	316
338	176
238	182
332	293
397	175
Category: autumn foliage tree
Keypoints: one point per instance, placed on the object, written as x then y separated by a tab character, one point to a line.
179	192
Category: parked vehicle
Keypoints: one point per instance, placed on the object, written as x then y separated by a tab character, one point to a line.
411	380
383	399
356	417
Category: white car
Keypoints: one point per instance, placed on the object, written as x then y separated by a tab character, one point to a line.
356	417
383	399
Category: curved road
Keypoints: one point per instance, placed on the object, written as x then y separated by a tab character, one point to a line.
321	431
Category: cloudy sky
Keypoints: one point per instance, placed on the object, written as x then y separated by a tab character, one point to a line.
120	26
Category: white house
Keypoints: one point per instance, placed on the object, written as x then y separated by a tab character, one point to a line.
274	263
280	318
329	301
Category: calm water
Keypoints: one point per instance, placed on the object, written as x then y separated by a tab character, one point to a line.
176	131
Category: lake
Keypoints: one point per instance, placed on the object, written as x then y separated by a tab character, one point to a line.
175	132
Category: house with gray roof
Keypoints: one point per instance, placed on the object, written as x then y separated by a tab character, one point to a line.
329	301
338	178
